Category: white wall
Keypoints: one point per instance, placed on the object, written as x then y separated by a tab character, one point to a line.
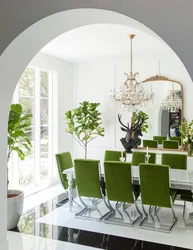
93	81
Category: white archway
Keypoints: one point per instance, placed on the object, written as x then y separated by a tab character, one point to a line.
20	52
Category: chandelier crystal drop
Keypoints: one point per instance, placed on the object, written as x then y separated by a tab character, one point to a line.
173	102
131	95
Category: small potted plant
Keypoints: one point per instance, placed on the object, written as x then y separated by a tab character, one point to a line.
186	130
84	123
18	141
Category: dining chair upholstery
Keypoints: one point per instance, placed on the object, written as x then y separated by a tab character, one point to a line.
172	144
155	191
176	138
159	139
150	143
88	178
175	161
119	188
119	173
112	155
88	183
139	157
64	161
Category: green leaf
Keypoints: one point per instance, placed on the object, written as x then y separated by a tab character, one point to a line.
84	121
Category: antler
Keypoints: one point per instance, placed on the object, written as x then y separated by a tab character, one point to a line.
139	123
119	118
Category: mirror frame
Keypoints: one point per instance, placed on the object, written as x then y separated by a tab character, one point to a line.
164	78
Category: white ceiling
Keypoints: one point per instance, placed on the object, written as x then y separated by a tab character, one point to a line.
101	41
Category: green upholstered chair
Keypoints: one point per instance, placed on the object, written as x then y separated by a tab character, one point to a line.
88	183
159	139
156	192
111	155
176	138
176	161
139	157
170	144
64	161
150	143
119	188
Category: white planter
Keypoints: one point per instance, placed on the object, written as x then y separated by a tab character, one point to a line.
14	208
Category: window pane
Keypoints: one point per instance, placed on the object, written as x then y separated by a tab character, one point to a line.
28	105
44	165
44	106
27	83
44	84
44	139
26	171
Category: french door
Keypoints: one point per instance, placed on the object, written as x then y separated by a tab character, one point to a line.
35	93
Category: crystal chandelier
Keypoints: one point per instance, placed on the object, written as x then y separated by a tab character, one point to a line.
173	102
131	95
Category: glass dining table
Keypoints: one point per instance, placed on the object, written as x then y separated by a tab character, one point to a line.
179	179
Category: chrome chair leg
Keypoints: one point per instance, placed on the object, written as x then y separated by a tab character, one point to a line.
150	214
84	204
117	206
76	202
155	214
174	215
128	215
139	212
146	214
184	209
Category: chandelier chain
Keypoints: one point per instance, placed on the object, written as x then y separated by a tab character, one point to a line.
131	58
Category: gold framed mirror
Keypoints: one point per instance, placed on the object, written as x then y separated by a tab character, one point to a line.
166	112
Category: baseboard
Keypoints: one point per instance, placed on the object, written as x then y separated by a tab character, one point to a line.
4	245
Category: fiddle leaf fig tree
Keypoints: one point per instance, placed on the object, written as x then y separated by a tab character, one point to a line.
84	123
145	126
18	124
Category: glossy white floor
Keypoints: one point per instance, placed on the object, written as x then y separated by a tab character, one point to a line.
181	235
18	241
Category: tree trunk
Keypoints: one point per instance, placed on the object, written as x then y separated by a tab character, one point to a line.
85	152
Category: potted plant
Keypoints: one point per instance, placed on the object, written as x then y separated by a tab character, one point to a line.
186	130
18	141
84	123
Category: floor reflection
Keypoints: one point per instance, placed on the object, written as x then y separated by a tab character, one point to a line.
28	225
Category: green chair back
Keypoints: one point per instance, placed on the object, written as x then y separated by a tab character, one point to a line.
64	161
176	138
155	185
150	143
118	181
176	161
111	155
88	177
159	139
139	157
171	144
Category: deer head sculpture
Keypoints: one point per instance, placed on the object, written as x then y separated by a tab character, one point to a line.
132	130
132	133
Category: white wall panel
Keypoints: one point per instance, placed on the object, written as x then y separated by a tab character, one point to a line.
93	81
